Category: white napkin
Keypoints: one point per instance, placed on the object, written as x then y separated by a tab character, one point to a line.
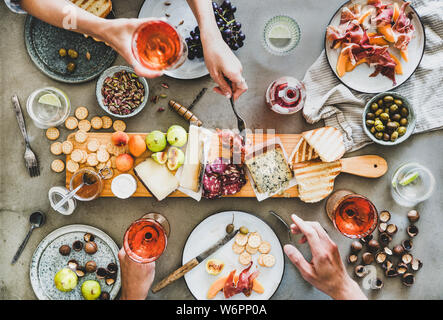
342	108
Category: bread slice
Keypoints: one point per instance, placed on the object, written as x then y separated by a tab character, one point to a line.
99	8
327	142
193	167
303	152
315	179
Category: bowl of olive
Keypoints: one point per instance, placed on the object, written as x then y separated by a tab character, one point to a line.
388	118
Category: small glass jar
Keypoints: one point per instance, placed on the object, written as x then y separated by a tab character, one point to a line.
286	95
88	192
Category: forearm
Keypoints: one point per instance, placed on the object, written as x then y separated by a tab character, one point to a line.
64	14
349	291
204	15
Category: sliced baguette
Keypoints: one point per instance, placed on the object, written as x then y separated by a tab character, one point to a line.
303	152
327	142
99	8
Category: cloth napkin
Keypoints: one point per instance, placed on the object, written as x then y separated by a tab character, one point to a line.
340	107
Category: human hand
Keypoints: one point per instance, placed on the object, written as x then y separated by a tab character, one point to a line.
137	277
221	62
325	271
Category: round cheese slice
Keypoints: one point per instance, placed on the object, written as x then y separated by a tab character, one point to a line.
123	186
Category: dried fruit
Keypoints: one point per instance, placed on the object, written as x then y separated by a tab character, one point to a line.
62	52
72	54
64	250
366	239
387	251
70	67
391	272
110	280
88	55
387	265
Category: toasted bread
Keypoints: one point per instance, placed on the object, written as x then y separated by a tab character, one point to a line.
99	8
303	152
315	179
327	142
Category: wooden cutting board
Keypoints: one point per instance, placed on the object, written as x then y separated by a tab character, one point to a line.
289	142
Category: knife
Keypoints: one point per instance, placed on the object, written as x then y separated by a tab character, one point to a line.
180	272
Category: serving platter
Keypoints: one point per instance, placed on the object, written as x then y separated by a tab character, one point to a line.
208	232
178	11
47	261
359	78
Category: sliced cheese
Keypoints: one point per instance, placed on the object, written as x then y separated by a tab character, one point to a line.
156	178
193	166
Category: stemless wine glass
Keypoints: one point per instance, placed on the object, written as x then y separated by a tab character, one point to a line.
158	46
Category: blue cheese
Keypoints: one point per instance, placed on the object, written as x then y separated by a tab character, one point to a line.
270	171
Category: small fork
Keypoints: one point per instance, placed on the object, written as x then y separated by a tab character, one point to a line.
30	158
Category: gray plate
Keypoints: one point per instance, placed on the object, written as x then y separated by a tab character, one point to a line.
47	261
43	42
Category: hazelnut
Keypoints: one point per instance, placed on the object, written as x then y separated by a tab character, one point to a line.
373	245
367	258
64	250
385	238
77	245
112	268
377	284
80	271
90	266
90	247
402	268
104	296
356	246
412	231
110	280
366	239
101	273
406	258
407	244
352	258
360	271
398	250
382	227
391	272
413	216
416	264
380	257
408	279
391	229
88	237
73	264
385	216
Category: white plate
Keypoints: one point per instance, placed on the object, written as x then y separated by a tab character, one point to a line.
178	10
212	229
47	261
359	79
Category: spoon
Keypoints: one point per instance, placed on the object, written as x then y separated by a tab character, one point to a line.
87	178
37	219
284	222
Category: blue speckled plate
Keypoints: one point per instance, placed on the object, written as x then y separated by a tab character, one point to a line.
43	42
47	261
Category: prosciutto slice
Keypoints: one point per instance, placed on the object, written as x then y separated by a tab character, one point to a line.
404	28
244	283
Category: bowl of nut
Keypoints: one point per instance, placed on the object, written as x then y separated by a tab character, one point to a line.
388	118
121	93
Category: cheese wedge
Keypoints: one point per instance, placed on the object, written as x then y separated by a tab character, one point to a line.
156	178
303	152
327	142
315	179
193	166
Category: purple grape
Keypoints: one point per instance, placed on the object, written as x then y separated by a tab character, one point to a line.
227	32
241	36
226	4
197	30
214	5
233	9
240	43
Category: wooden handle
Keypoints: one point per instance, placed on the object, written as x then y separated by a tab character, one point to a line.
184	112
369	166
177	274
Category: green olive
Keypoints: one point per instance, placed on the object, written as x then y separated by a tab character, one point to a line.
396	117
388	98
369	123
379	135
380	127
403	122
377	122
370	116
392	126
378	112
386	110
394	136
398	102
372	130
72	53
384	116
374	106
230	228
244	230
401	131
404	112
393	108
62	52
380	102
386	137
71	67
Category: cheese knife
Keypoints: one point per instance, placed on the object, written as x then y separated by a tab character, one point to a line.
180	272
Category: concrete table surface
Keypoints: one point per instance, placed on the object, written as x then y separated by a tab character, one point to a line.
20	194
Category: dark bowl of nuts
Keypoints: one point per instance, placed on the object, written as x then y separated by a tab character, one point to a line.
388	119
121	93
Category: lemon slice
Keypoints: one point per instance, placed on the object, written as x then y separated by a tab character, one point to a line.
280	32
50	99
409	178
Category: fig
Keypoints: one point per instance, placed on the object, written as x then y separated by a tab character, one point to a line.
176	157
65	280
91	290
214	266
160	157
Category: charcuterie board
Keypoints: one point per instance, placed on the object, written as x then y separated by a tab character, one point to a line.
289	142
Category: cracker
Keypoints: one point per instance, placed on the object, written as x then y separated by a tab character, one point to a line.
81	113
52	133
76	155
56	148
57	165
84	157
107	122
241	239
72	166
71	123
267	260
92	160
113	164
244	258
265	247
93	145
102	155
67	147
251	250
97	123
84	125
119	125
254	240
237	249
81	136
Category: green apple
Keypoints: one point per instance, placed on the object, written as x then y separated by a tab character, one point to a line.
65	280
177	136
176	157
156	141
91	290
160	157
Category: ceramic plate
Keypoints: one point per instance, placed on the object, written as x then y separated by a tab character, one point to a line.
178	10
43	42
208	232
359	79
47	261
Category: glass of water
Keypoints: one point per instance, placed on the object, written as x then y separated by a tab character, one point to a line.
411	184
281	35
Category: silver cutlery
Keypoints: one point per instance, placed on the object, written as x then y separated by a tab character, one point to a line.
284	222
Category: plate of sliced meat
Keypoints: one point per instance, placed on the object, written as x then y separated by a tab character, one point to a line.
249	267
374	45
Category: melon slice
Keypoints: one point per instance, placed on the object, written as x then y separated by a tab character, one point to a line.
350	66
342	62
404	54
396	12
386	31
218	285
398	67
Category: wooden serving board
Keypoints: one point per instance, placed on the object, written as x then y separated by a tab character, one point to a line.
289	142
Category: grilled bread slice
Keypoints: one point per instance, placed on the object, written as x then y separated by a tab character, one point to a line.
327	142
303	152
315	179
99	8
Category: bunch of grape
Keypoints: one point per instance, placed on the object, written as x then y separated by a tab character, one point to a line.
228	26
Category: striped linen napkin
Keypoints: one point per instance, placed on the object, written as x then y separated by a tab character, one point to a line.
340	107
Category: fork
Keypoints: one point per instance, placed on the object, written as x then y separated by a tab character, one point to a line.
240	122
30	158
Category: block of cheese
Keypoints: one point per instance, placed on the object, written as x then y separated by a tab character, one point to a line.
156	178
193	166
